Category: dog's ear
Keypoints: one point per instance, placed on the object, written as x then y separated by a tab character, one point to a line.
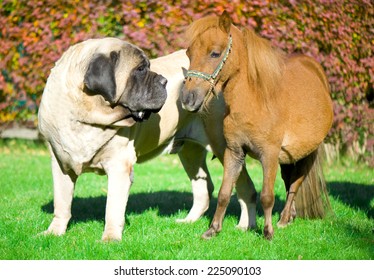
100	76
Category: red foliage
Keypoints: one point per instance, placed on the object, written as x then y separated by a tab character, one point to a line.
338	33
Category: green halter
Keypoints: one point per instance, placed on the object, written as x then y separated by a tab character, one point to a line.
211	78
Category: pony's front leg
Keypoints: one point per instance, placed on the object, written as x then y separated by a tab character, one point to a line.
63	189
233	163
269	166
120	177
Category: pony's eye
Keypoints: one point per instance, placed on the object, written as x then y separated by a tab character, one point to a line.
214	54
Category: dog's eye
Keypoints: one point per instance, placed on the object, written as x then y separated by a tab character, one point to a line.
214	54
141	68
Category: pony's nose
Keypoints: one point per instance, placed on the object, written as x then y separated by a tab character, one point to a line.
189	100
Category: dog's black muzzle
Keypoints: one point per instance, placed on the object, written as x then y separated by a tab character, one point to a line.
146	96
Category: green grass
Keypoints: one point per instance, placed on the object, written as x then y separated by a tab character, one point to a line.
161	194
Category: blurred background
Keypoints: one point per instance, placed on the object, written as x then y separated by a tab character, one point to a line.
338	33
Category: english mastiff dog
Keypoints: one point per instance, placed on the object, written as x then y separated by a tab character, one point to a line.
91	111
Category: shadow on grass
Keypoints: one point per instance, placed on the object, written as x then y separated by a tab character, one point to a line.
354	195
170	203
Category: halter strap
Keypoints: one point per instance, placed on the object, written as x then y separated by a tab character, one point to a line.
211	78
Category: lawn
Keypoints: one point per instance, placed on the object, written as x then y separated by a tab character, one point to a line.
160	195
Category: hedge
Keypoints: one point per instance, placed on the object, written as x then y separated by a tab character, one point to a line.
338	33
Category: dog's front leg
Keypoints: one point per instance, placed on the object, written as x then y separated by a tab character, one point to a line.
120	177
193	158
119	183
63	187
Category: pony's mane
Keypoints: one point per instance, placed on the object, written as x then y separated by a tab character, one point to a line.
265	64
200	26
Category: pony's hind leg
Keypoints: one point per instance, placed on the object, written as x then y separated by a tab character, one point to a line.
233	163
293	176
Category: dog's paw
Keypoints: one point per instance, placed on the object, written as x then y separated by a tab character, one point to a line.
109	236
57	227
194	214
184	221
246	226
53	231
241	227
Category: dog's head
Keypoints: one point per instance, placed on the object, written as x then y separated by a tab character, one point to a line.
120	73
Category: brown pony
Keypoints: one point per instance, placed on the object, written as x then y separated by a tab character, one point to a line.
278	110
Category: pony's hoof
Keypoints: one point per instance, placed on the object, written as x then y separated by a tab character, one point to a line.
268	234
281	224
211	232
285	221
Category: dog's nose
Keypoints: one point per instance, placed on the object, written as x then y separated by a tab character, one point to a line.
163	81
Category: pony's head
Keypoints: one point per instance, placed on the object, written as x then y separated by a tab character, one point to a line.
218	51
210	44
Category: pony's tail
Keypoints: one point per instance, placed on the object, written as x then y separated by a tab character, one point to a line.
312	201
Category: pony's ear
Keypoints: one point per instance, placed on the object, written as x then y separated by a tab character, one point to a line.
225	22
184	72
